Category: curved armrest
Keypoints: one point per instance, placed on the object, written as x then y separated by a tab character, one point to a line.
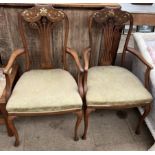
73	53
139	56
86	55
12	59
149	67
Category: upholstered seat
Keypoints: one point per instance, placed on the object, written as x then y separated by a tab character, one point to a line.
41	91
113	85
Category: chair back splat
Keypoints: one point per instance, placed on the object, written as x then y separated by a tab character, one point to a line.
109	22
43	19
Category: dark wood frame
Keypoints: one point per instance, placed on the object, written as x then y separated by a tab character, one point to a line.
119	18
41	17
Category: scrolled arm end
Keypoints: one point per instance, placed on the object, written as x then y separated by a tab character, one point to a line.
86	55
14	55
74	54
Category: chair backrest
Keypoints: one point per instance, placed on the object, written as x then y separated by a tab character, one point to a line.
43	19
105	29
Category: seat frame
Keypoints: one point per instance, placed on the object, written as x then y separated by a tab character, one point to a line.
112	21
42	18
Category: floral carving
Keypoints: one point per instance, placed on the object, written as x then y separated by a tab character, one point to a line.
116	16
34	14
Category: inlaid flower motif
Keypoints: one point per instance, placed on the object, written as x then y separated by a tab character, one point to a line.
43	11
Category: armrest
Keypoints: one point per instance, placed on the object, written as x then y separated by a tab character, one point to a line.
86	55
149	67
73	53
139	56
12	59
10	81
80	75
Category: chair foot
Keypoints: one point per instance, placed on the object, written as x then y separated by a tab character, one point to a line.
79	118
122	114
86	120
83	137
16	144
137	132
14	130
147	109
76	138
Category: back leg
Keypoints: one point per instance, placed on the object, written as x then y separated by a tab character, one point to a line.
147	109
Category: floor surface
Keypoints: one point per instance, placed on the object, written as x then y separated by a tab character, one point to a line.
106	132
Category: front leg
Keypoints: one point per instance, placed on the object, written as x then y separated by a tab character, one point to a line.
5	116
14	130
79	118
87	112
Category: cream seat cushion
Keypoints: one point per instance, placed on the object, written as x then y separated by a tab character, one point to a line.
41	91
116	86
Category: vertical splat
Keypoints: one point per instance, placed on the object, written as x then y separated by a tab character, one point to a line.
110	41
44	29
42	18
112	22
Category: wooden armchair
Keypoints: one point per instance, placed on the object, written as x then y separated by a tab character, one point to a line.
44	91
107	86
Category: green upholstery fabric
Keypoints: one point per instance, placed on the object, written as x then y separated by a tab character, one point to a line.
116	86
41	91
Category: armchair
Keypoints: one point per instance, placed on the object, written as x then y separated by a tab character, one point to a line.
107	86
44	91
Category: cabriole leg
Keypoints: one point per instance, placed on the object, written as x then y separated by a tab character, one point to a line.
79	118
5	116
86	121
14	130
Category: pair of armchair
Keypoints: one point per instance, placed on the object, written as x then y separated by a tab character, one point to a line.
48	91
